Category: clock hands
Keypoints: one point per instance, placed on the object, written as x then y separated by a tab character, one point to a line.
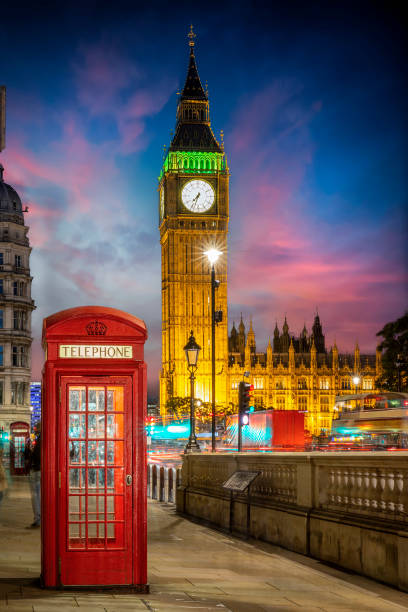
195	200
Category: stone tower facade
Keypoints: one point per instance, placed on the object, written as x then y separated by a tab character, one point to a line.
193	217
16	307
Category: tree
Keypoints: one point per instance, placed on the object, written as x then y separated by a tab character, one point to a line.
394	347
178	407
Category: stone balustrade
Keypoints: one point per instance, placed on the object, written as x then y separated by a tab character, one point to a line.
350	508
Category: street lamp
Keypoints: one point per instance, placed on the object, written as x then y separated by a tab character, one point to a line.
191	350
356	381
212	256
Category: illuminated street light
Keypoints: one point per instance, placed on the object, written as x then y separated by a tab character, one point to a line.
213	255
192	350
356	381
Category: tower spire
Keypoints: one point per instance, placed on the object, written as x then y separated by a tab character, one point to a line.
193	89
191	36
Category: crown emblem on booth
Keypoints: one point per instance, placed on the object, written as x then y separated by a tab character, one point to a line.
96	328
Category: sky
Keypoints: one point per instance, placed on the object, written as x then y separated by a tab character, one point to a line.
312	101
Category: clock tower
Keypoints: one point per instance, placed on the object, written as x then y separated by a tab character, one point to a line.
193	217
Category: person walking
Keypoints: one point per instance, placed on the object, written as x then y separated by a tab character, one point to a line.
33	467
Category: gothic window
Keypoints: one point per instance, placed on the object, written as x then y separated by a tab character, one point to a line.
258	383
280	403
324	404
280	384
234	384
302	384
302	403
346	384
367	384
324	383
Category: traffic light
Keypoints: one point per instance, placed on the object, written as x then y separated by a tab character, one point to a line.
245	399
150	422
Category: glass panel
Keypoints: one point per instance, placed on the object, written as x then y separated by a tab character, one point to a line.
77	398
114	507
96	453
77	480
76	535
96	535
96	426
76	452
96	508
115	453
115	399
76	426
114	427
110	405
115	478
96	478
76	508
96	399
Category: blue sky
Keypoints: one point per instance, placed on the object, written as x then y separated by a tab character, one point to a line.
311	98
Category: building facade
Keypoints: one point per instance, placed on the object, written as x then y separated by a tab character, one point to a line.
294	373
193	217
298	373
16	307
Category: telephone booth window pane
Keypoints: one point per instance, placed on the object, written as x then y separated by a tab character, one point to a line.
114	427
96	453
77	399
96	490
96	399
115	453
115	399
76	535
76	452
77	426
96	426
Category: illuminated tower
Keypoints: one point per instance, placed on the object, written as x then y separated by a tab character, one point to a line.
193	217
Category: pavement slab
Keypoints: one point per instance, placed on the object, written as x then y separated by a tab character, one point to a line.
190	567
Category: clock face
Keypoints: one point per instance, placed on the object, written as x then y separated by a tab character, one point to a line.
198	196
162	202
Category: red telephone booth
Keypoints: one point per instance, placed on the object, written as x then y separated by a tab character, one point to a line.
19	435
93	449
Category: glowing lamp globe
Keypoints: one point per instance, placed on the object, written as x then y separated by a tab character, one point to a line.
212	255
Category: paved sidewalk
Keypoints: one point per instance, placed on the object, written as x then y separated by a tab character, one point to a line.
191	567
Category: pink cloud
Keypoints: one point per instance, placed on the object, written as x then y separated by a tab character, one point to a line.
283	259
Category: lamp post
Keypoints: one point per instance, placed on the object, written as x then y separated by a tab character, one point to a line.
212	256
191	350
356	382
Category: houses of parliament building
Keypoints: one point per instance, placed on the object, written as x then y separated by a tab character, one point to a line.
295	372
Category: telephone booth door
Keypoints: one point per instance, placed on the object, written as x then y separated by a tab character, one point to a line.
96	491
19	436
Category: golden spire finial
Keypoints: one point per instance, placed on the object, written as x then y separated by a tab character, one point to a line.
191	36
